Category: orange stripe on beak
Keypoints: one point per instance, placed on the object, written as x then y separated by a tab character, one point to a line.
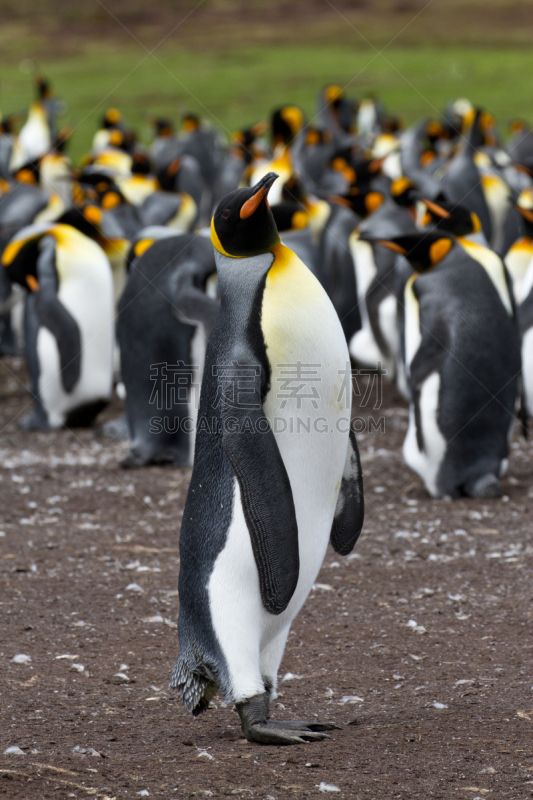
438	210
251	205
392	246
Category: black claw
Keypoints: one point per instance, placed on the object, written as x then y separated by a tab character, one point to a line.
317	727
257	727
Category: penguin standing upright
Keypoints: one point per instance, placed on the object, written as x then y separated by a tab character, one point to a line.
164	320
462	357
376	343
68	323
263	501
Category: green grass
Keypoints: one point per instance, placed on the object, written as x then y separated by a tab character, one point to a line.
236	87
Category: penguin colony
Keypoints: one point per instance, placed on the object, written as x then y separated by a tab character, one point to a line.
345	239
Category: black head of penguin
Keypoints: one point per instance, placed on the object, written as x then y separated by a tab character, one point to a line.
163	127
86	219
112	119
286	123
190	123
524	205
29	172
403	192
243	224
451	218
363	200
289	216
63	138
7	124
44	90
423	250
140	164
20	256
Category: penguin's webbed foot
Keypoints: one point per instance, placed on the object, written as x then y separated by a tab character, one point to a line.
36	420
257	727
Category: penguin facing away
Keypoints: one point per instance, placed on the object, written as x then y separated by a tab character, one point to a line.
164	319
263	503
462	358
68	323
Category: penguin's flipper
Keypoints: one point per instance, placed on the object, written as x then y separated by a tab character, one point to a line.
350	510
433	349
266	496
55	317
191	304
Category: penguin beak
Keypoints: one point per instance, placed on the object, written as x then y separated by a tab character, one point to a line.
261	190
436	209
392	246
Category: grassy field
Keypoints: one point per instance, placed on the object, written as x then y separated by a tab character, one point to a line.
233	64
240	86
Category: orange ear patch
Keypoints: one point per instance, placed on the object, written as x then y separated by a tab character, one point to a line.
26	176
400	185
252	204
299	220
439	249
373	200
110	200
142	246
93	214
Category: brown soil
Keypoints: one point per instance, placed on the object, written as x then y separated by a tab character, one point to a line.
442	710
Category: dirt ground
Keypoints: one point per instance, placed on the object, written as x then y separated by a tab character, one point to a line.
418	645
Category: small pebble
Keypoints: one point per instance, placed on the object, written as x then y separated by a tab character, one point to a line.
21	659
120	677
14	751
289	676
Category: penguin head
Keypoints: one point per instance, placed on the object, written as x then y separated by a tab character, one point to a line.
315	136
43	88
289	216
424	250
524	205
286	123
29	172
86	218
190	123
7	124
451	217
20	256
163	127
243	224
403	192
112	119
244	142
363	200
140	163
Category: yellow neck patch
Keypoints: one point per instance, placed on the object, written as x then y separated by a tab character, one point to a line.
216	241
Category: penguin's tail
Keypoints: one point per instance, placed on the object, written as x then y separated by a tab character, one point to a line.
196	684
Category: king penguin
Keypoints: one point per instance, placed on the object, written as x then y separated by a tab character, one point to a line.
462	357
68	323
263	503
